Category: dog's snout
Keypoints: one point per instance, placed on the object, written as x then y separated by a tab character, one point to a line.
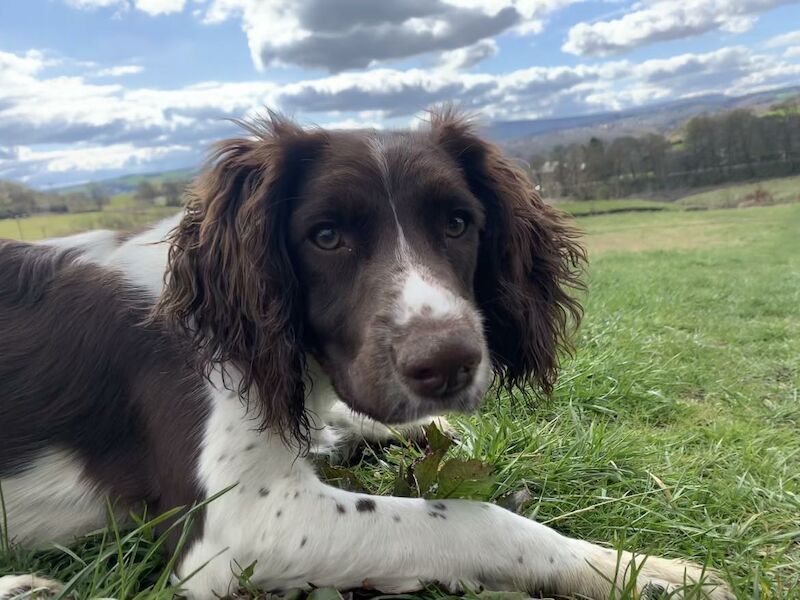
438	365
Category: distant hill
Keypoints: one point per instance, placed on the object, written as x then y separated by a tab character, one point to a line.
539	135
127	183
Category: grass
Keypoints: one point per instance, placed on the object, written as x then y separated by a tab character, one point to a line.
675	429
783	190
40	227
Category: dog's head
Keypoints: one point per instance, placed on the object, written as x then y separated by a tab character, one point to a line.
411	265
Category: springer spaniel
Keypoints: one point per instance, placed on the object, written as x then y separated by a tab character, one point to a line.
314	274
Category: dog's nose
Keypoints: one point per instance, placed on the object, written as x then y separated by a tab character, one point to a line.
434	367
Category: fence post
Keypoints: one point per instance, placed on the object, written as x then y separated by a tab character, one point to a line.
19	228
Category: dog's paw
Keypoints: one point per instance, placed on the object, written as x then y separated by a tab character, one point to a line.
29	586
663	578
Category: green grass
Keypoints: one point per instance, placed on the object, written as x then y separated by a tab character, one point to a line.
675	430
593	207
40	227
783	190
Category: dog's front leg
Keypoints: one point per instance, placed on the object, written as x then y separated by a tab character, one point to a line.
303	535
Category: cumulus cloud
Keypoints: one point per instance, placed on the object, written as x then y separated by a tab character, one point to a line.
160	7
119	71
52	127
663	20
352	34
465	58
151	7
786	39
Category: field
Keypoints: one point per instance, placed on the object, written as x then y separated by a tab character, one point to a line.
674	430
40	227
783	190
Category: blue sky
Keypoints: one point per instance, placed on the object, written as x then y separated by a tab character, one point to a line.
94	88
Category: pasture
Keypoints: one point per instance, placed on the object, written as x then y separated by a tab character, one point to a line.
675	429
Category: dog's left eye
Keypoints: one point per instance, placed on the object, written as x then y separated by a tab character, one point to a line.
457	224
326	237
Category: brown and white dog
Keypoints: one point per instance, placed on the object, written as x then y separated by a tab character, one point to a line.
314	275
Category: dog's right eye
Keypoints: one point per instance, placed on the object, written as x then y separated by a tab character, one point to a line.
326	237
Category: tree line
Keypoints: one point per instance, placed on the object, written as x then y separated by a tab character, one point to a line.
18	200
709	150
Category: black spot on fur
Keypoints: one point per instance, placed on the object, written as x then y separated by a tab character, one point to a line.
249	447
520	560
552	560
340	509
222	457
436	515
296	494
263	492
396	518
303	541
279	513
440	506
365	505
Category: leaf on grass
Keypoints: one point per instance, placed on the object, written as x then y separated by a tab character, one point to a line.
326	593
341	477
426	472
516	501
437	441
465	479
402	487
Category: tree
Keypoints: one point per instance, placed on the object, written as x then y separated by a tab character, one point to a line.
98	195
16	200
596	162
173	192
146	191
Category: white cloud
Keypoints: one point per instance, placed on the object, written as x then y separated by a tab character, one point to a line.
792	52
151	7
352	34
663	20
119	71
464	58
338	35
90	4
786	39
95	158
160	7
63	125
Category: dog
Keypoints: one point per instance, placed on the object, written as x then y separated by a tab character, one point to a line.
360	277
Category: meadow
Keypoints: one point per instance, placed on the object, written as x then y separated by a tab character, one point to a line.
674	430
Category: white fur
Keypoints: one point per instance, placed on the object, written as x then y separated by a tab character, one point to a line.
143	259
301	532
52	501
14	587
420	296
95	246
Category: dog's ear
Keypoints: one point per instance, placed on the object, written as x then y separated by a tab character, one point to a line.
230	281
530	262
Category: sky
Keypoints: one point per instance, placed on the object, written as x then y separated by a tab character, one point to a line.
91	89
